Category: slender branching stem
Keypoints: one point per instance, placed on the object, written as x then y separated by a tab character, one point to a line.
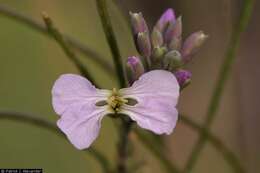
227	154
123	145
111	40
55	33
222	80
157	152
214	140
169	166
23	19
41	123
126	122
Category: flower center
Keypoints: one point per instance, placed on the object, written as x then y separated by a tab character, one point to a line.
115	101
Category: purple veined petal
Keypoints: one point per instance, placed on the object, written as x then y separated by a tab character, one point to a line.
167	16
156	93
74	98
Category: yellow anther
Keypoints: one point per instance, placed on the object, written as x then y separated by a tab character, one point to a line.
115	101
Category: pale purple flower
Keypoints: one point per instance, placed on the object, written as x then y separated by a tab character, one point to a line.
150	101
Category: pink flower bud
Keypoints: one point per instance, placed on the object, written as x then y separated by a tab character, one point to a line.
175	44
134	68
167	17
138	23
157	56
144	44
157	38
183	77
192	44
172	60
173	31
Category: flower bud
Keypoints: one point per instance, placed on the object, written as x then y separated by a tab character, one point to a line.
138	23
192	44
158	54
134	68
183	77
144	44
172	60
157	38
173	31
175	44
167	17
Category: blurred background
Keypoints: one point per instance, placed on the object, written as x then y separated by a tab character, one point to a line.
31	62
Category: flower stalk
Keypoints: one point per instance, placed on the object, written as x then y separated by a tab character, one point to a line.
27	21
222	79
55	33
41	123
214	140
123	145
111	40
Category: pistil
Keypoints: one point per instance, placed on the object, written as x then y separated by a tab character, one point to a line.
115	101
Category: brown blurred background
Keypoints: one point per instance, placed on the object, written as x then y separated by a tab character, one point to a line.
31	62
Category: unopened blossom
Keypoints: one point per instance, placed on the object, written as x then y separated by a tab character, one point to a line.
174	30
183	77
134	68
167	17
192	44
165	48
138	23
150	101
144	44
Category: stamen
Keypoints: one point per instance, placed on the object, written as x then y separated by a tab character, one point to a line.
115	101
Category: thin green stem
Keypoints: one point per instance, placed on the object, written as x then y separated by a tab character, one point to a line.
126	122
123	145
27	21
222	80
227	154
65	47
41	123
111	39
156	151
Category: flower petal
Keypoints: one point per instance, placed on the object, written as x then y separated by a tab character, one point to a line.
81	132
156	93
74	98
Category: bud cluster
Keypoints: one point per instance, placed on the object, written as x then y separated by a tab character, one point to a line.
163	48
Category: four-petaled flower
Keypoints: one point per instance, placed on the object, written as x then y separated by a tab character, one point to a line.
150	101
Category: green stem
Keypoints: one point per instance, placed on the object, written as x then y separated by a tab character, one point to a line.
156	151
65	47
227	154
123	145
126	123
38	122
93	55
111	39
222	80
